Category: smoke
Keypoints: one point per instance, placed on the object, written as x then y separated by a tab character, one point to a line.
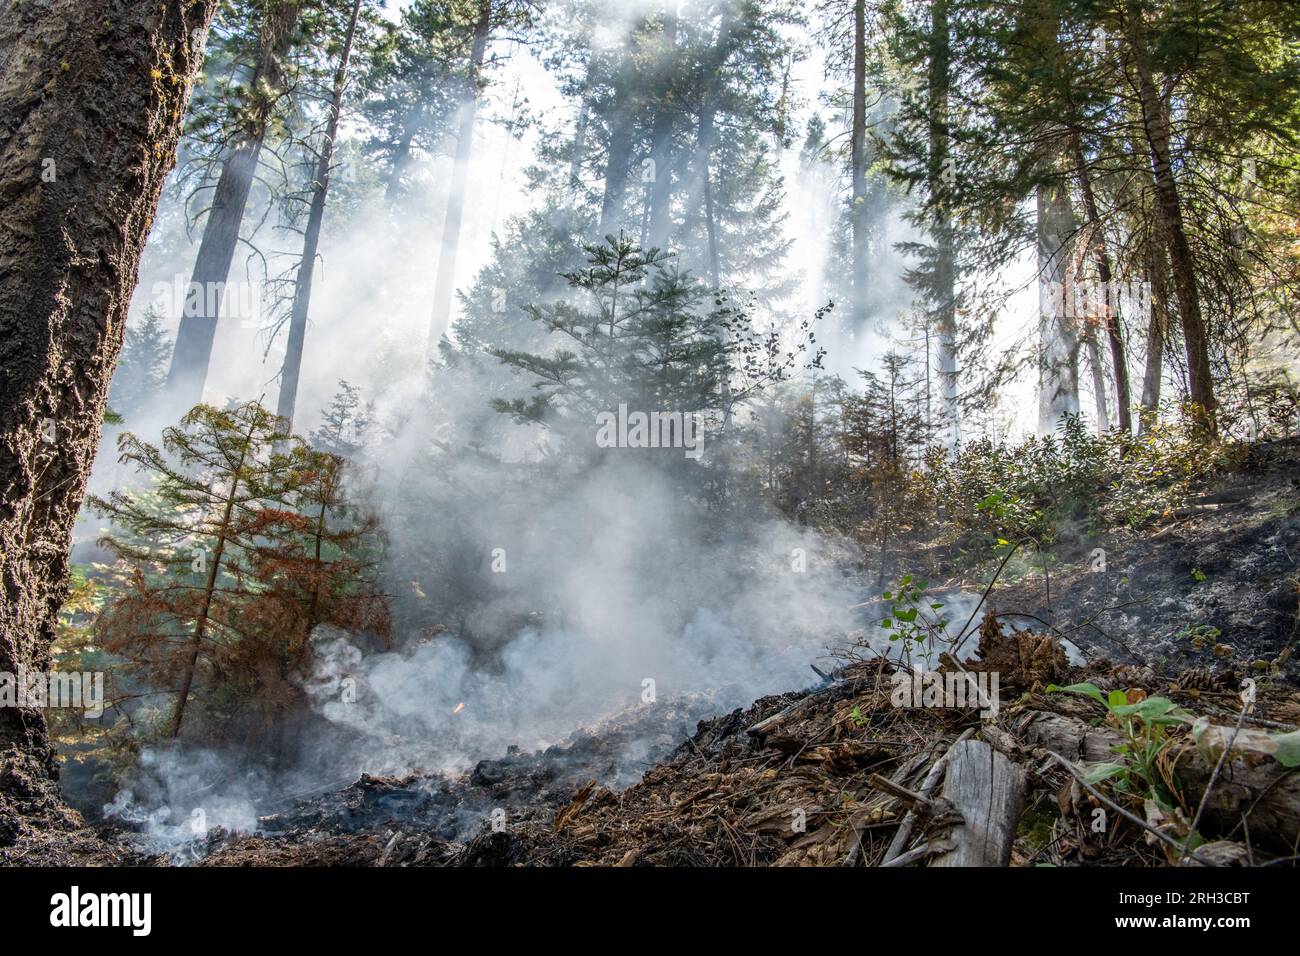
531	600
624	592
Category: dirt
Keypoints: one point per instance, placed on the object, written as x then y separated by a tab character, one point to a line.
1185	610
797	792
1216	589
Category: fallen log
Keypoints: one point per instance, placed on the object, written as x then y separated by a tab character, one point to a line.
834	692
904	834
1251	787
988	790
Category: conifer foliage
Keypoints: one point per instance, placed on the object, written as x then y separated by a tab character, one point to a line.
241	543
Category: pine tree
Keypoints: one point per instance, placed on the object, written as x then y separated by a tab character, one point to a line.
142	367
71	247
243	542
344	423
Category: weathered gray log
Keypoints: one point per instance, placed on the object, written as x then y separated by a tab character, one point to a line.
1251	784
904	834
988	790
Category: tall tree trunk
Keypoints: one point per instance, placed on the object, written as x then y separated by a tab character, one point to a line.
858	167
95	98
1157	324
1058	333
618	158
1156	127
660	224
1098	369
198	325
944	291
701	184
311	236
618	153
580	130
1097	241
444	284
401	163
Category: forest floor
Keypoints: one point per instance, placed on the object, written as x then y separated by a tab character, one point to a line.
1184	611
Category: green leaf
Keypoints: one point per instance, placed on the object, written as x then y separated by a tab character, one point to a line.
1102	771
1152	708
1288	749
1086	689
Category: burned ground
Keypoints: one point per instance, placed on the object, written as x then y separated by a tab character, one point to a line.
826	776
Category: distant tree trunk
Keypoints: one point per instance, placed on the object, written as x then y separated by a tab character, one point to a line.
701	186
446	278
618	153
1157	324
580	130
661	150
858	166
1156	127
1058	334
945	284
1098	369
1097	239
90	112
198	324
401	162
311	236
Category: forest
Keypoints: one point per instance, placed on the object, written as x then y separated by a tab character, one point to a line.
856	433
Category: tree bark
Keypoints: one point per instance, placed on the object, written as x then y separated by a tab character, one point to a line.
198	324
444	284
311	237
1157	323
1156	127
93	94
1097	239
1058	335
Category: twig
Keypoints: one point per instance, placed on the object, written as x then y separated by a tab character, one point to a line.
1218	766
900	792
921	852
1131	817
964	632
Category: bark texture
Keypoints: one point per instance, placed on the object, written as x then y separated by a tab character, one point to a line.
91	101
